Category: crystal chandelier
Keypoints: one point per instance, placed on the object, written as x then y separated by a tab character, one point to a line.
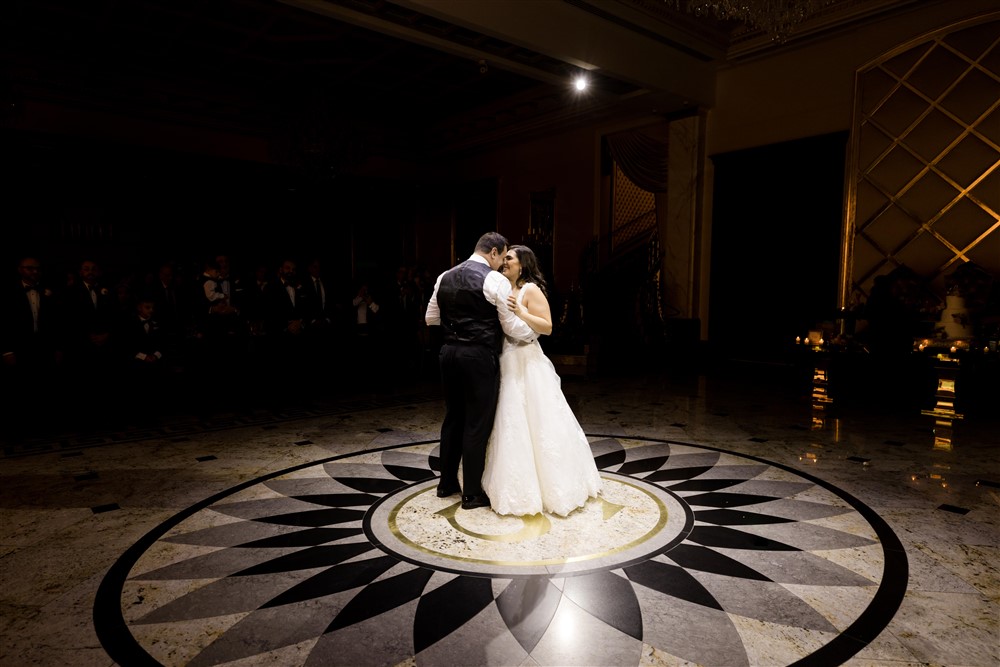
777	18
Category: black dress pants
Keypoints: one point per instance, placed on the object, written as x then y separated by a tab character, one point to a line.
470	375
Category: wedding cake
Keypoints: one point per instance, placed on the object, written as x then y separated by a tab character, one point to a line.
954	320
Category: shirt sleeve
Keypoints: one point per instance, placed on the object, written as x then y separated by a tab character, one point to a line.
433	315
496	289
209	287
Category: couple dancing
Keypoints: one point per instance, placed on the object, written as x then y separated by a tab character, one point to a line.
507	421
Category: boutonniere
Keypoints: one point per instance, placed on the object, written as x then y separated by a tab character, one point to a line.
104	291
47	293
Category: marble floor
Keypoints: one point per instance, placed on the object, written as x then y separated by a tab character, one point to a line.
744	520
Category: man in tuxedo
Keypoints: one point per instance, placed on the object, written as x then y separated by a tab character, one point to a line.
140	340
171	306
287	306
92	311
321	306
147	363
29	332
469	302
30	342
321	320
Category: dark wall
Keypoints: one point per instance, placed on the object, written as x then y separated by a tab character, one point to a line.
775	244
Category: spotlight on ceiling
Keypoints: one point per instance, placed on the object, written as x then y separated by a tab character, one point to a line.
580	82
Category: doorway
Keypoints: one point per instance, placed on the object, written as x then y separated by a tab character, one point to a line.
777	216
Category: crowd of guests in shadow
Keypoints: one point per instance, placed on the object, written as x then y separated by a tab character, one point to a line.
82	350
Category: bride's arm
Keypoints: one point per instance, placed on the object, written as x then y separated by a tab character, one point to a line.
535	311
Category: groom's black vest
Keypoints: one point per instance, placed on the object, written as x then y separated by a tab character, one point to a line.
467	318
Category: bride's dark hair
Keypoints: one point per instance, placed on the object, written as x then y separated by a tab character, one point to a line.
530	271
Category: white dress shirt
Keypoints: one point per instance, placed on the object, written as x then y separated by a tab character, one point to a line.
496	289
362	307
35	301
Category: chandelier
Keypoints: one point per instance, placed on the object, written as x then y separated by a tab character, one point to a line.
776	18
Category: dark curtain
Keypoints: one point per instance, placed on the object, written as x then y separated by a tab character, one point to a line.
642	158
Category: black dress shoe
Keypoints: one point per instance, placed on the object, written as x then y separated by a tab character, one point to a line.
472	502
445	490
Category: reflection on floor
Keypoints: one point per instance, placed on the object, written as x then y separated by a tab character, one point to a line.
742	523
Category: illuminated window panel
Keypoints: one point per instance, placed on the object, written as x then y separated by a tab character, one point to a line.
924	165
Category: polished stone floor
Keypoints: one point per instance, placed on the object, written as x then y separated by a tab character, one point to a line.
744	521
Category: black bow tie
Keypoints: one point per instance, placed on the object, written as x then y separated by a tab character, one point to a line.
31	288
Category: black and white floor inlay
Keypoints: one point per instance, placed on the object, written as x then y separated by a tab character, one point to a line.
691	555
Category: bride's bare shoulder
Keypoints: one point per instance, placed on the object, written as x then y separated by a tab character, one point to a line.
533	291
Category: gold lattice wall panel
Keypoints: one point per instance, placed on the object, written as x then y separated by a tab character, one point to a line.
925	160
634	210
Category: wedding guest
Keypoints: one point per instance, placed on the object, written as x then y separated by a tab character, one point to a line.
366	311
31	347
286	309
366	355
253	308
144	357
322	318
91	312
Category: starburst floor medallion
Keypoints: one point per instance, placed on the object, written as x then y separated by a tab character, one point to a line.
690	554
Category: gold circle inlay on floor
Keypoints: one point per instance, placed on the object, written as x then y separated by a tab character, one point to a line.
629	516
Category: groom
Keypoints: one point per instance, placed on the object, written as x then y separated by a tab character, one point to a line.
469	302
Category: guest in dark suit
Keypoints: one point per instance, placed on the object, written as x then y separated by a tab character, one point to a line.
168	300
367	355
30	339
403	322
321	305
323	335
287	307
91	314
140	339
253	308
146	360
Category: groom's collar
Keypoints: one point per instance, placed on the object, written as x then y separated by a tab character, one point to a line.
479	258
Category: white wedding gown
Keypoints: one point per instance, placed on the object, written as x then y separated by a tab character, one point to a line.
538	458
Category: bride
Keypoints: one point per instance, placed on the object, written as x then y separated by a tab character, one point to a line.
538	458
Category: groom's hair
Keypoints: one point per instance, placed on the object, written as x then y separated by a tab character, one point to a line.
491	240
